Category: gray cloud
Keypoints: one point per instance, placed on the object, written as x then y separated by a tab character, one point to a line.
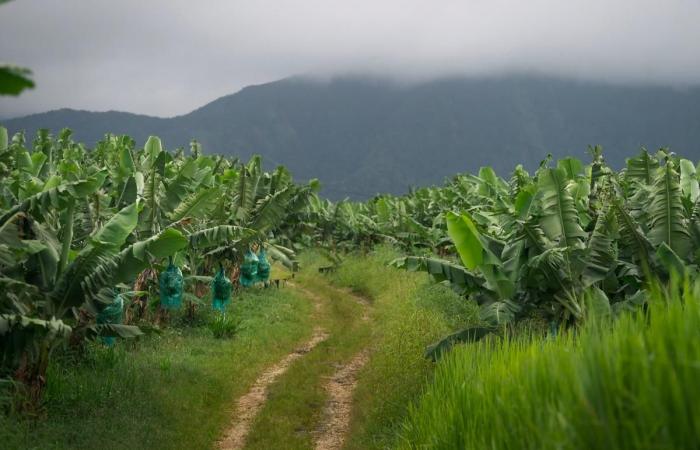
166	57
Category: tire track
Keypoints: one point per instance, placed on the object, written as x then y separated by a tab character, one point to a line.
340	387
333	430
252	402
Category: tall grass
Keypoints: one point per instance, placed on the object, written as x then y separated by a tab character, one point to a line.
632	384
408	313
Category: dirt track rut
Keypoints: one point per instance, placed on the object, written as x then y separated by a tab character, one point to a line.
252	402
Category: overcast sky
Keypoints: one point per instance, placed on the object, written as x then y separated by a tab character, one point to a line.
167	57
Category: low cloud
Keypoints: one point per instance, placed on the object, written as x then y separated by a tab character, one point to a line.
166	57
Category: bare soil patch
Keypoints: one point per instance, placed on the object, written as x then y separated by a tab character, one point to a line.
336	418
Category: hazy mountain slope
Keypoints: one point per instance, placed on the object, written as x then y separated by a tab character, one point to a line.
363	136
88	126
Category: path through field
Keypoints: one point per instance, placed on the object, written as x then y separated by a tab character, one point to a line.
332	433
250	404
333	361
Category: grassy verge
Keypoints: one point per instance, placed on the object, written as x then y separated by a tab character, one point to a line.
629	385
167	391
408	313
295	402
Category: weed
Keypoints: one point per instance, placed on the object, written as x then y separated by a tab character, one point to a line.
224	326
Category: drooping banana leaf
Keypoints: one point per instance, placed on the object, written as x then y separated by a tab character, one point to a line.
14	79
479	251
270	210
278	255
188	180
667	221
115	330
572	167
4	141
596	303
118	228
498	313
461	279
39	203
600	256
547	271
247	189
559	220
52	327
689	181
631	303
631	236
673	264
497	280
466	239
642	168
18	297
103	246
45	262
196	205
435	351
218	235
127	192
123	266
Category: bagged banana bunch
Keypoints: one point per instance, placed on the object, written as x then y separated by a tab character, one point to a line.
112	314
263	266
249	269
221	290
171	285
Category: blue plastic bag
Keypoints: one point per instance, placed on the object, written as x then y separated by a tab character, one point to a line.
249	269
221	290
112	314
171	284
263	267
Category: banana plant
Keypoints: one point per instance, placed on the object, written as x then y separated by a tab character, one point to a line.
76	223
567	241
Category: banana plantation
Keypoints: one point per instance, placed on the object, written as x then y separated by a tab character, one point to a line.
556	245
121	247
84	229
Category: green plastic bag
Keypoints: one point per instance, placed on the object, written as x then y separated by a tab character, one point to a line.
249	269
113	314
263	266
221	290
171	284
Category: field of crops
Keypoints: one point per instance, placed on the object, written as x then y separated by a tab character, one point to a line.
560	310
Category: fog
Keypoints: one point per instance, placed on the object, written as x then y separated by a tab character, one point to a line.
168	57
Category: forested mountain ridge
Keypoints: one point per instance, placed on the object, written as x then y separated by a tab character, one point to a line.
362	136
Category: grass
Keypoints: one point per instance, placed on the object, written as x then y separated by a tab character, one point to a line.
168	391
164	391
632	384
409	312
224	326
296	401
627	384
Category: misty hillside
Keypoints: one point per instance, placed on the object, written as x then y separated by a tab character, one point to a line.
364	136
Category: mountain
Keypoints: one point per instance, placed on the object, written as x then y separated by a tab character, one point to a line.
361	136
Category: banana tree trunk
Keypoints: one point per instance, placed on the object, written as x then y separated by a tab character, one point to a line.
235	275
142	283
32	376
